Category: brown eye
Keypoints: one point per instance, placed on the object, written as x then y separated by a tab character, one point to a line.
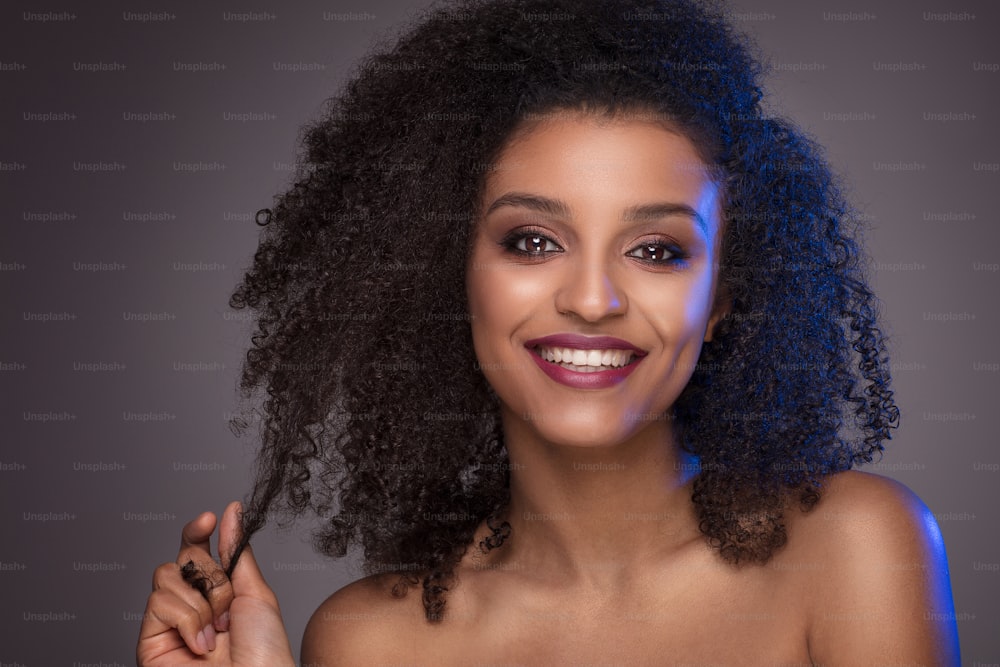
534	244
652	252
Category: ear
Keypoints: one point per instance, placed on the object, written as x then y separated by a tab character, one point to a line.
722	307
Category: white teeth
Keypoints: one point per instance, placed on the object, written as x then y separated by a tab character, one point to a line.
586	361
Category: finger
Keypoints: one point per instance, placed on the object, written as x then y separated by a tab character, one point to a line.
197	532
246	577
205	574
204	579
230	532
165	611
168	577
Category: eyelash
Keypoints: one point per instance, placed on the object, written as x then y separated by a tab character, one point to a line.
511	241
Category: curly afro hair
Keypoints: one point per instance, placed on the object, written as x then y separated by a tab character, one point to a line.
358	286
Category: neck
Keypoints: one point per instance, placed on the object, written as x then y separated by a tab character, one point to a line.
592	514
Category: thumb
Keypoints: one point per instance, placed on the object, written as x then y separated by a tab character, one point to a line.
246	578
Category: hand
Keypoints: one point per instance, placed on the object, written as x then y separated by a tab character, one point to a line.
238	625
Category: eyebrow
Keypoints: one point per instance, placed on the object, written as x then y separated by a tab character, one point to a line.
558	209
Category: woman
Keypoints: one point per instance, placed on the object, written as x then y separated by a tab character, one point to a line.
574	342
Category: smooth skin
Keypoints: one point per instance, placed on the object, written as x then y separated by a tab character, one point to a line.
611	227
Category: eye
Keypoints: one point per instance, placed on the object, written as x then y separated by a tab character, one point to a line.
657	253
530	243
535	244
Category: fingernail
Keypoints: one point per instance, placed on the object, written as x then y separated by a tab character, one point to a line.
209	637
201	642
224	621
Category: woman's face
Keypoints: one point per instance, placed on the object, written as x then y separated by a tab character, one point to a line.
591	281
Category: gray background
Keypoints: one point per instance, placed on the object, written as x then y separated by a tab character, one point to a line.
114	429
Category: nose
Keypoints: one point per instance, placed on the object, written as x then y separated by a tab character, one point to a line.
590	291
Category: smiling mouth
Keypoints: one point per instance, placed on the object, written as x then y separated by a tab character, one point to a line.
585	361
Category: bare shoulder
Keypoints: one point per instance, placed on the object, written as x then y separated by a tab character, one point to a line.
362	623
885	580
870	509
865	523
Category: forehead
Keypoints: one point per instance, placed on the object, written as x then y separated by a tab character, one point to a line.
585	143
604	162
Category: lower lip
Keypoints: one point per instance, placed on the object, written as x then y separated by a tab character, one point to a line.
595	380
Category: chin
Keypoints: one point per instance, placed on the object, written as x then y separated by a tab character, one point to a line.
589	430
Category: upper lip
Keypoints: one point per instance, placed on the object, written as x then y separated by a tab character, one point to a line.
578	342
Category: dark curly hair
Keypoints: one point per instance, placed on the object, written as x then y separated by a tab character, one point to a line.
358	286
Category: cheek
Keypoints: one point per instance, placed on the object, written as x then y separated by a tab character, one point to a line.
487	307
678	310
490	300
502	297
700	302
